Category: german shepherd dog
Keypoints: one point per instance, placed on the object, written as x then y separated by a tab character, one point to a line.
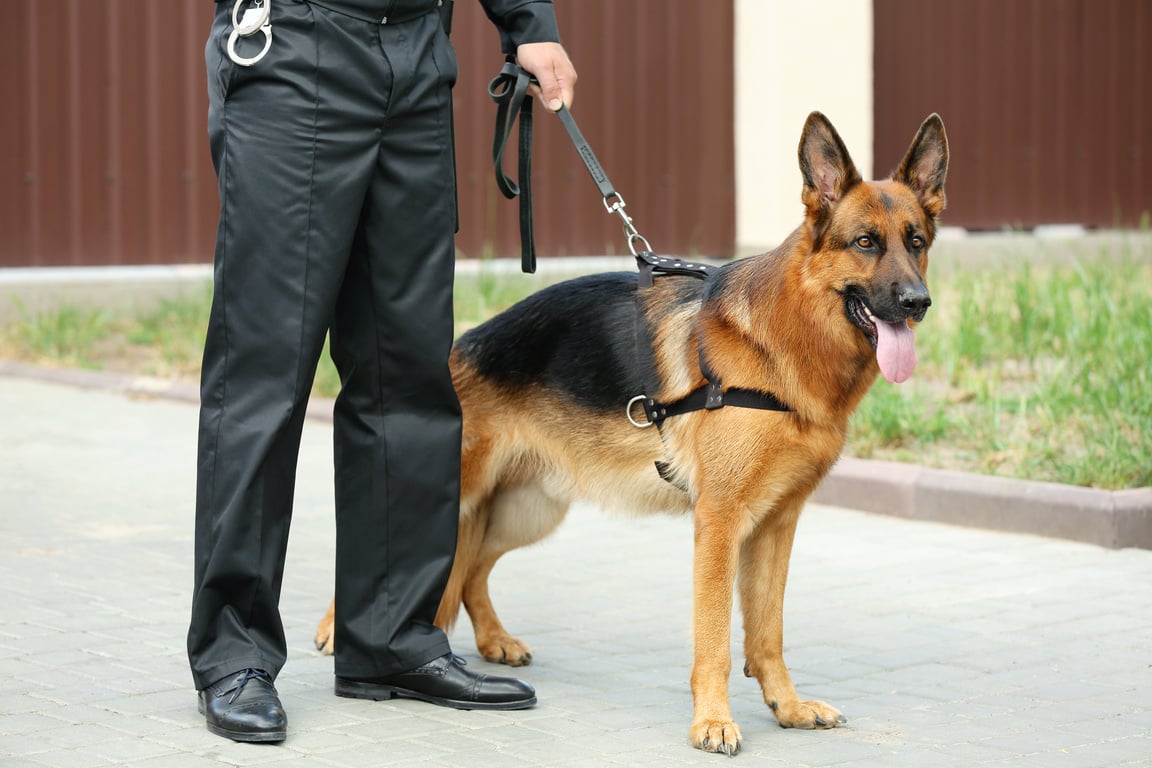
546	386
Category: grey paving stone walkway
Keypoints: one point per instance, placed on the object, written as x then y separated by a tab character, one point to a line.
943	646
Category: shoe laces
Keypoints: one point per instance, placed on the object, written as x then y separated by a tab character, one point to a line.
452	659
239	683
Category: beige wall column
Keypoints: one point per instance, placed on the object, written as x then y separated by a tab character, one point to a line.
793	57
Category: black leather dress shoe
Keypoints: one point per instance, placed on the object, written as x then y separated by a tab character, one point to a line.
444	681
244	707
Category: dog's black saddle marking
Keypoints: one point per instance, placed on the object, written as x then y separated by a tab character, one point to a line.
712	395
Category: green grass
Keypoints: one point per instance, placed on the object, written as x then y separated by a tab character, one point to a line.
1039	372
1033	372
69	336
168	339
174	331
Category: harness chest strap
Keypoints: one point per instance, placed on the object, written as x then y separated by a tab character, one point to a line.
709	397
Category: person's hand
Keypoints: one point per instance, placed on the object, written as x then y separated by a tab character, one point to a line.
549	63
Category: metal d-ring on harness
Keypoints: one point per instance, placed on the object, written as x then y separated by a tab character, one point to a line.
509	91
256	18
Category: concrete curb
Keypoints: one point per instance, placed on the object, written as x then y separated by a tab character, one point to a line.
131	385
1113	519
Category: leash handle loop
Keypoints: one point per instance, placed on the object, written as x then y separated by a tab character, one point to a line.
509	90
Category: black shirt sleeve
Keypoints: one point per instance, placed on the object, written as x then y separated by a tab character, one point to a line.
522	21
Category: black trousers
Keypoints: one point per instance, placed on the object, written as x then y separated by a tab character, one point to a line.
335	166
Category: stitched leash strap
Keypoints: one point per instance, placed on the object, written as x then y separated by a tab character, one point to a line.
595	170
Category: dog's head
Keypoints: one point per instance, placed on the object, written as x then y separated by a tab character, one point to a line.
876	234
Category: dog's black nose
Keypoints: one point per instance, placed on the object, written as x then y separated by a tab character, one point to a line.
915	301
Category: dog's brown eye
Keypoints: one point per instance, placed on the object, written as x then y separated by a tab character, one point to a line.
917	242
864	242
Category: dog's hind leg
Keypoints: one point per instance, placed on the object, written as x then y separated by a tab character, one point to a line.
493	641
469	539
324	631
517	517
763	574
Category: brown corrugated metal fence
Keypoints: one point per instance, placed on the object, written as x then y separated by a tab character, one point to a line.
103	149
655	102
1047	105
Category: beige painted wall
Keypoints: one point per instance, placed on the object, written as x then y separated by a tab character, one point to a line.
793	57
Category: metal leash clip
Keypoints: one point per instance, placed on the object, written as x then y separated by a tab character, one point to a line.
614	203
257	18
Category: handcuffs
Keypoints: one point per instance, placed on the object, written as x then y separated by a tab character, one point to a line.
257	18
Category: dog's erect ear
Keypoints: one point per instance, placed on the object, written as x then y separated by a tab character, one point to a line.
824	161
926	164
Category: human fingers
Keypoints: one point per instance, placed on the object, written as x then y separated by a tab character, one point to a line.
550	65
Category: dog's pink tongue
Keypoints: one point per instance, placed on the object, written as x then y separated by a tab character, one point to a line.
895	350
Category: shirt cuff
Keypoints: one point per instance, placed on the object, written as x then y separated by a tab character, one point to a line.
530	22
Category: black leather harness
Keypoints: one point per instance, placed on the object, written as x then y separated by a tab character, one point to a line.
712	395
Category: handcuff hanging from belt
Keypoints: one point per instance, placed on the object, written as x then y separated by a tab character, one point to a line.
509	90
257	18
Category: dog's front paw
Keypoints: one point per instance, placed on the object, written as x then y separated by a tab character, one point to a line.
806	714
716	736
504	649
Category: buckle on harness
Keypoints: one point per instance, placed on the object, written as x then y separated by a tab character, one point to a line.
714	396
257	18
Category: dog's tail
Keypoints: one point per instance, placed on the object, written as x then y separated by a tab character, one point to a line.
470	537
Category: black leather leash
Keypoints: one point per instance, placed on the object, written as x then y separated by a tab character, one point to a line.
509	90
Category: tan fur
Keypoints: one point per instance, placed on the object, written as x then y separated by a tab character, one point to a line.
778	325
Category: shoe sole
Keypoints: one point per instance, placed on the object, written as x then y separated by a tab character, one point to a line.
355	689
248	737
